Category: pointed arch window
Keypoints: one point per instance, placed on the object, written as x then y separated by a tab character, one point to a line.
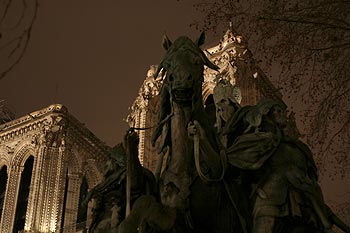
3	183
23	195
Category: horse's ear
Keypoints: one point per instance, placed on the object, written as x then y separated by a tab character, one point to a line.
166	42
200	41
207	62
160	67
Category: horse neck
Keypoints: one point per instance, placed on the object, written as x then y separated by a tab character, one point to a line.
181	159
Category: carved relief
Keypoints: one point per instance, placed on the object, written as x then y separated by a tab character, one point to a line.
22	153
10	199
5	155
45	135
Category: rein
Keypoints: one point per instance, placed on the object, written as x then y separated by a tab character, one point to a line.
145	128
151	127
196	154
206	179
198	166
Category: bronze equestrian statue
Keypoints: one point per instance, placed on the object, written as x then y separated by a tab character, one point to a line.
193	182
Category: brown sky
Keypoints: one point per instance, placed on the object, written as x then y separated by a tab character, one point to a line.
92	56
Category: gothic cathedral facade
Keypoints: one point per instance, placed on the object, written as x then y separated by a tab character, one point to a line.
48	162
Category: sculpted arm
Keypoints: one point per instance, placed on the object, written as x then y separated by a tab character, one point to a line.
249	152
211	156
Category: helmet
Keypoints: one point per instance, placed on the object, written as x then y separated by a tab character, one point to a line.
225	90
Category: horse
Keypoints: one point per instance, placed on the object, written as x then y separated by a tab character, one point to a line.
112	191
193	182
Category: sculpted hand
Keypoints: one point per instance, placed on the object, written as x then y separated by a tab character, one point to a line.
195	128
191	129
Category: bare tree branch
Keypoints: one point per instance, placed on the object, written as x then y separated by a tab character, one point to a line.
346	45
301	21
14	39
307	42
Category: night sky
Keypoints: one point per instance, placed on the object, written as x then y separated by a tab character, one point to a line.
92	57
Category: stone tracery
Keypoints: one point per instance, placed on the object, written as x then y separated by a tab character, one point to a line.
58	142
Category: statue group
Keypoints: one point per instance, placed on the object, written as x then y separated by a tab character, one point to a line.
241	174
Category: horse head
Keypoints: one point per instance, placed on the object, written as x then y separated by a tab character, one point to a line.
183	64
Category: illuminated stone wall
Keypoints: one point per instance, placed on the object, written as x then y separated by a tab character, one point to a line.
236	65
62	149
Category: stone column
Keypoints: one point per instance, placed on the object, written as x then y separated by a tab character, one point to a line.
33	199
43	208
142	134
41	189
47	190
53	189
10	203
59	186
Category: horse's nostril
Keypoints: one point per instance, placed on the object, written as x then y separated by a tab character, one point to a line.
189	77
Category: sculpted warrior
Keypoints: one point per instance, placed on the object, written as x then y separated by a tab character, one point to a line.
111	191
227	99
279	173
